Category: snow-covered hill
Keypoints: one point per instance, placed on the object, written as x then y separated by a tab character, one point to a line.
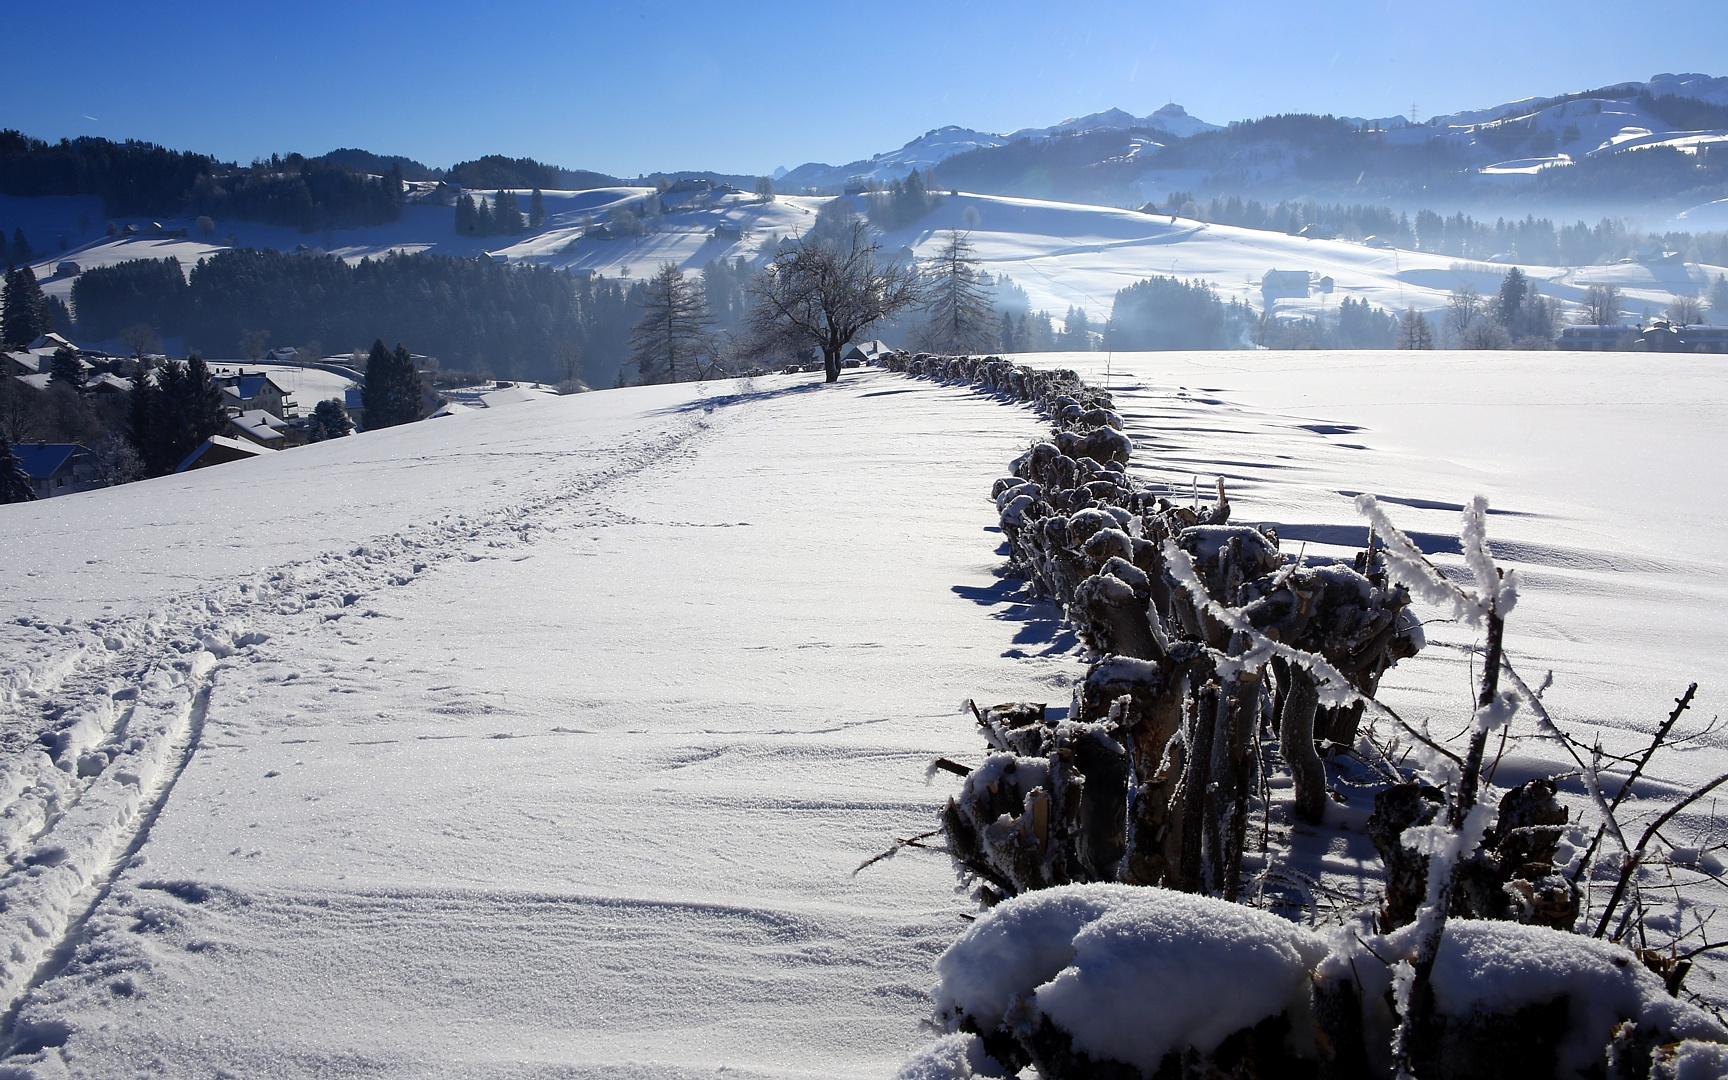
545	742
1061	254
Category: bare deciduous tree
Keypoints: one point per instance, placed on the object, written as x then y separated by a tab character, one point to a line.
140	338
1463	307
1601	304
1686	311
1484	334
824	293
253	342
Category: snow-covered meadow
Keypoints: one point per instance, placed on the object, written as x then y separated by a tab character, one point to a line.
545	741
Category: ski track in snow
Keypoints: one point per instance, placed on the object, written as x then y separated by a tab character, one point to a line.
126	720
98	918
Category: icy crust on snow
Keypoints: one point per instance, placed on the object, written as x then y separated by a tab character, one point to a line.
1501	967
1131	973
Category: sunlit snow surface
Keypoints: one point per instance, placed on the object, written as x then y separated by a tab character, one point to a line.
574	719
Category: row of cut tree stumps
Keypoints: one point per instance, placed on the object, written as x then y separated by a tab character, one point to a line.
1168	716
1152	777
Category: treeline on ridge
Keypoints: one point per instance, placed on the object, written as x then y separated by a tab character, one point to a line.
1528	240
130	178
470	313
140	178
497	171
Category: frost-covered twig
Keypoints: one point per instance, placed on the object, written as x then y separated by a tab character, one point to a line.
1592	780
1632	862
1495	593
1680	705
1466	820
910	841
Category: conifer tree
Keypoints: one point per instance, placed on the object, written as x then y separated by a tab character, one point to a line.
21	252
143	409
375	391
391	395
506	214
66	368
410	404
202	402
25	317
14	481
59	316
957	311
176	412
329	421
484	224
536	209
1076	334
1414	330
1509	305
674	329
467	218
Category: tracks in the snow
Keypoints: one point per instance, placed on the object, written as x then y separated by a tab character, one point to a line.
124	701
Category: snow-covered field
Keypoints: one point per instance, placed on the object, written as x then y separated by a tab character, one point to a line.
545	742
1061	254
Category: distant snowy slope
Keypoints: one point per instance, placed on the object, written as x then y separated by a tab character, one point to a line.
1609	120
1065	254
1693	85
1060	253
921	153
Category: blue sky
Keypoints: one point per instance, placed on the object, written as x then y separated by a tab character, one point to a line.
743	87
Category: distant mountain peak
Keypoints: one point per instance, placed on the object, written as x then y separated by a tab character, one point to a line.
1171	118
939	144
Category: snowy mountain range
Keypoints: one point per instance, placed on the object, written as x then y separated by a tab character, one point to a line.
935	147
1487	159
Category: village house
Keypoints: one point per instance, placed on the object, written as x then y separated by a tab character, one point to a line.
55	468
354	404
1608	338
1285	283
265	428
244	392
219	450
105	384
